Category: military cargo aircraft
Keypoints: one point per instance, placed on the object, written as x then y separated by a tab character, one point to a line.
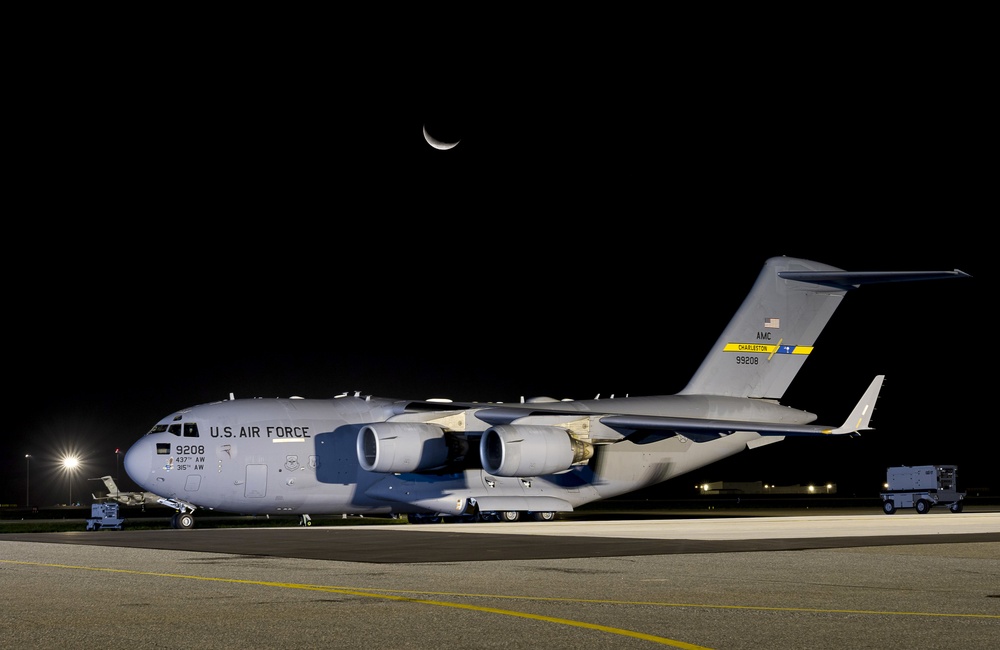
437	460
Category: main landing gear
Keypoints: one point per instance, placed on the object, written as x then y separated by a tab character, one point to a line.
507	516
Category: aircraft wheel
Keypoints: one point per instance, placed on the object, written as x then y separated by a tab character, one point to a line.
185	520
543	516
416	518
923	506
173	520
956	507
510	515
889	507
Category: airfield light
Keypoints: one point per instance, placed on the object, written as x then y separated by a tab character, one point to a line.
812	489
27	480
70	465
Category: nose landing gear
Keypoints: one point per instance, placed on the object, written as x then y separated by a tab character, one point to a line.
182	520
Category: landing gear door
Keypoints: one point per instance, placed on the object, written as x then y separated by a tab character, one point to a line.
505	485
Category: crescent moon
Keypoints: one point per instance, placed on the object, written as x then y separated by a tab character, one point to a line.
437	144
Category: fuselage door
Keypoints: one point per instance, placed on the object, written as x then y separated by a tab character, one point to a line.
256	485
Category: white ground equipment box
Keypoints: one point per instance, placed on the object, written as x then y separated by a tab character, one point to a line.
922	487
104	516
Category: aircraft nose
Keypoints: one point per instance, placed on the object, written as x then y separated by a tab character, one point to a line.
139	461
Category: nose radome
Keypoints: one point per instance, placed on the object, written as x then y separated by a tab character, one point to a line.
139	460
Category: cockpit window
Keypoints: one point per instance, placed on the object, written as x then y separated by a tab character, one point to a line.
175	429
190	430
158	428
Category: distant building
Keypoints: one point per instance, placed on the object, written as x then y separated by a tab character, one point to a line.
721	488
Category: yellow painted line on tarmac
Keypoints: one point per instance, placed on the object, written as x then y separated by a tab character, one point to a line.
384	596
645	603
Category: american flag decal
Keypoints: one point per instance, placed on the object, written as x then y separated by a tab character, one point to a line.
772	322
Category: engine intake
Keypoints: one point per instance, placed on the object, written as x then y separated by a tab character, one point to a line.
402	447
530	450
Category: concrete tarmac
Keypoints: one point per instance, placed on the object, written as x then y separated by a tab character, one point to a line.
812	581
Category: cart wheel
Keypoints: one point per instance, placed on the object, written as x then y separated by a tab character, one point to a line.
889	507
956	507
923	506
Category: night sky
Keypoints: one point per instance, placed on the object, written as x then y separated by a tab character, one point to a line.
272	225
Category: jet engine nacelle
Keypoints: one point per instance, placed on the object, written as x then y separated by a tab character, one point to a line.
401	447
530	450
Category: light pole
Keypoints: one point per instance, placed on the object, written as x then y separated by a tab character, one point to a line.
27	480
70	463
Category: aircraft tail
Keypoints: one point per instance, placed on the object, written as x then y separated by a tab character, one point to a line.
774	330
110	484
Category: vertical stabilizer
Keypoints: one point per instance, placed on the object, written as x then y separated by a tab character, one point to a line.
774	330
112	487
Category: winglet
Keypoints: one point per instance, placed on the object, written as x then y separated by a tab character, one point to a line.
862	414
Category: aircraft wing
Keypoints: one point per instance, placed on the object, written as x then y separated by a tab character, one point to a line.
858	420
703	426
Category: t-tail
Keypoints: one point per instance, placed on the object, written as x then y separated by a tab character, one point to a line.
774	331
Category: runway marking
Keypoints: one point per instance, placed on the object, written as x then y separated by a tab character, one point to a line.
373	594
597	601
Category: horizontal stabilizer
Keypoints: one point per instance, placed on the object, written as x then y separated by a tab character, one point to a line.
855	278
